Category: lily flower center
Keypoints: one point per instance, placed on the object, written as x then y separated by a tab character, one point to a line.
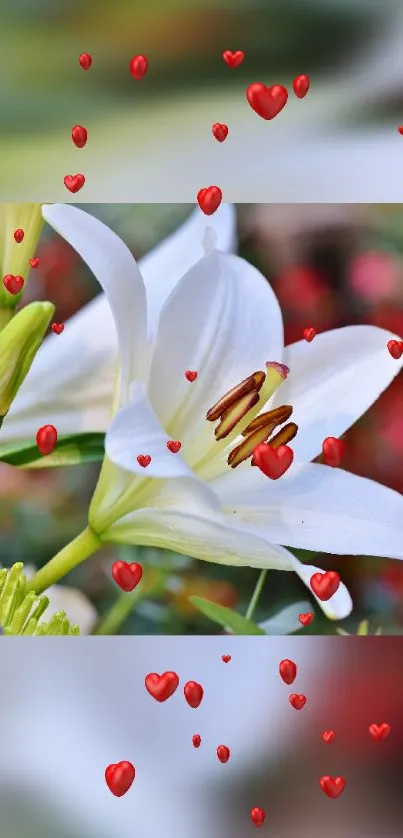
239	415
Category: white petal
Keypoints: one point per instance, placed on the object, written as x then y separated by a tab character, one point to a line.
77	607
135	430
286	621
118	274
223	321
333	381
169	262
318	508
339	606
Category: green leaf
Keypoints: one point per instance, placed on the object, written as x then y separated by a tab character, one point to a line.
70	451
225	617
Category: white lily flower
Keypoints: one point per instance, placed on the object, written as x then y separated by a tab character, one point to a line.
72	381
223	320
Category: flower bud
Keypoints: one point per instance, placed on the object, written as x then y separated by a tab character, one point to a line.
15	254
19	343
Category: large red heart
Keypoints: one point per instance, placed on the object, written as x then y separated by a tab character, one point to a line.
162	686
13	283
306	619
74	182
233	59
127	576
297	701
333	450
273	462
57	328
267	102
288	671
332	786
119	777
380	732
193	693
209	199
325	585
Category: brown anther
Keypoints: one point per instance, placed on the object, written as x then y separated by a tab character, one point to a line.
246	448
234	414
272	417
251	384
282	438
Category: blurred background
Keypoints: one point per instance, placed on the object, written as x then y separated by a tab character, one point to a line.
338	144
330	265
74	708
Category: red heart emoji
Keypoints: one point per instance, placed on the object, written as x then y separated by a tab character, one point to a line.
119	777
325	585
220	131
191	375
309	333
297	701
267	102
174	445
233	59
161	687
395	348
288	671
225	658
79	135
127	576
34	262
57	328
332	786
400	129
333	450
85	60
19	235
46	439
193	693
257	816
196	740
328	736
223	753
380	732
301	85
13	283
138	66
209	199
74	182
273	462
306	619
144	460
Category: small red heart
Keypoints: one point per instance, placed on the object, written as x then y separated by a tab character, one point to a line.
301	85
13	283
79	135
325	585
225	658
273	462
257	816
46	439
209	199
138	66
306	619
395	348
223	753
267	102
233	59
297	701
85	60
288	671
57	328
19	235
144	460
161	687
196	740
220	131
193	693
332	786
119	777
400	129
333	450
328	736
379	732
34	262
309	333
174	445
74	182
127	576
191	375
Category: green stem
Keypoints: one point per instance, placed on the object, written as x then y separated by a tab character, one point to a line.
256	594
125	603
72	555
